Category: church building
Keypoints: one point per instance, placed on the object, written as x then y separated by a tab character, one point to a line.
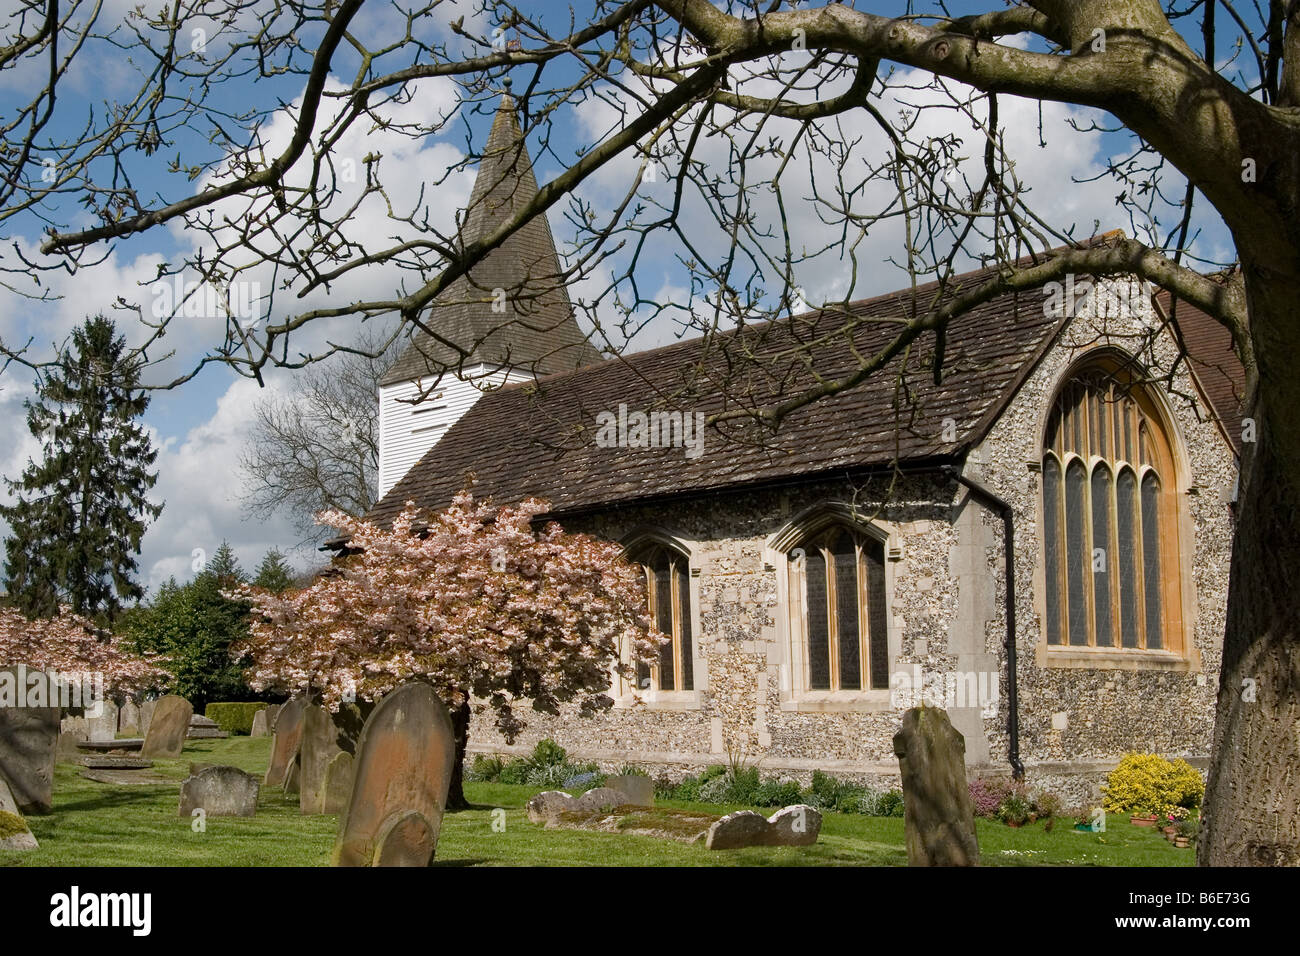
1036	539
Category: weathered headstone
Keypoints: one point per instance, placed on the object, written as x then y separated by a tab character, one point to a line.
260	727
66	751
938	817
102	726
638	791
146	715
284	742
797	825
324	736
14	832
338	783
171	721
220	792
29	738
403	765
128	719
205	728
405	839
291	776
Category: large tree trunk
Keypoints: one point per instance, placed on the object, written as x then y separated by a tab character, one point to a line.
1250	813
460	726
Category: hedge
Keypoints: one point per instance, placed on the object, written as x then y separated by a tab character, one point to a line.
234	717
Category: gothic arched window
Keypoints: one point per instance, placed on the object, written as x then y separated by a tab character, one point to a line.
668	591
1110	516
837	587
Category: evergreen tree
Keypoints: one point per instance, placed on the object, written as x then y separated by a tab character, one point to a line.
80	512
274	573
224	567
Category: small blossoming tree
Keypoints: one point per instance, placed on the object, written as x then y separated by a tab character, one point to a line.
475	600
71	643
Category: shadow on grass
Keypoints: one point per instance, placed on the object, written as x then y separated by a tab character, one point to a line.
114	799
458	863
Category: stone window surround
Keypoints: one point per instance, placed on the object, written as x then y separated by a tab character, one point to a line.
1059	656
670	700
789	653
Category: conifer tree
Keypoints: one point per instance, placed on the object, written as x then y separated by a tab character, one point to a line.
80	511
274	573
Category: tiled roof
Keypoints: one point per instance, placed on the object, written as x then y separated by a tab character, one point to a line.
539	438
537	332
1209	350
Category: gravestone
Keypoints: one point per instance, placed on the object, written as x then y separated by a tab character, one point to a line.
324	736
403	765
205	728
14	832
260	727
103	726
66	751
220	792
797	825
338	783
405	839
284	742
938	817
291	776
146	715
29	739
638	791
167	729
128	719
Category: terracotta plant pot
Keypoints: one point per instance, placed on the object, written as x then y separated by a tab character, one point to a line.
1143	821
1169	831
1182	842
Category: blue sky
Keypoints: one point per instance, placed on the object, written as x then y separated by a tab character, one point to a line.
202	426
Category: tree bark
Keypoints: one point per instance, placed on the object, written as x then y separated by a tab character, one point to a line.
1249	816
460	727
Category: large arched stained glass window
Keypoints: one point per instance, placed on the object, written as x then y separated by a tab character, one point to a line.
1110	553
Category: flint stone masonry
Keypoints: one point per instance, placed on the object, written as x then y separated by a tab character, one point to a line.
797	825
219	792
170	723
938	818
403	766
29	737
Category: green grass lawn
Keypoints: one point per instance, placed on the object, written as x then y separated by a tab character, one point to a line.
95	824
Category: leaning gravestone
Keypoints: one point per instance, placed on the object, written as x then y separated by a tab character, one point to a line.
14	833
324	736
399	789
167	729
29	738
284	742
219	792
938	817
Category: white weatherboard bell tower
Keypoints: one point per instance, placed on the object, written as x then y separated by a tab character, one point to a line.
510	320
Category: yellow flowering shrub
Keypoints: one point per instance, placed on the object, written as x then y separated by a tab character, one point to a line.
1148	783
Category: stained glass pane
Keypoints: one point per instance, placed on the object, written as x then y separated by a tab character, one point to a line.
873	552
684	622
1151	559
1052	546
1126	533
664	621
1102	558
845	559
1079	561
819	660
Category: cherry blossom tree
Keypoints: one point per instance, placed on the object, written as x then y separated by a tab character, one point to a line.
475	600
70	643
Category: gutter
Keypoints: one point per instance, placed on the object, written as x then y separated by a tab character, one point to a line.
1003	507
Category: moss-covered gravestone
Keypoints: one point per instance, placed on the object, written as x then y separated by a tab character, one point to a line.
938	817
285	740
14	834
400	782
29	739
167	729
